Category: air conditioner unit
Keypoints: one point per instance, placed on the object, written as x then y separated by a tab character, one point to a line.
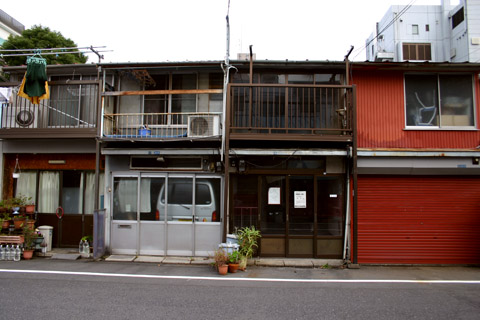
203	126
20	117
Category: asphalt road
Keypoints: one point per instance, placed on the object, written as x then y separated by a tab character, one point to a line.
100	290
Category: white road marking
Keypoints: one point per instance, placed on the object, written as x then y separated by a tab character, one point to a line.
152	276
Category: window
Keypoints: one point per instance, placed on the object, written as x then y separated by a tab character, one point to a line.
72	105
417	51
414	28
427	27
439	100
458	18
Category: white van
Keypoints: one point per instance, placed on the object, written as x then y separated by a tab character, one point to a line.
180	207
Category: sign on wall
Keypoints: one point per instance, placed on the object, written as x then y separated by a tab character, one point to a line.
300	198
274	195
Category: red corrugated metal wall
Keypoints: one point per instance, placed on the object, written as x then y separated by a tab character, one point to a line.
381	117
421	219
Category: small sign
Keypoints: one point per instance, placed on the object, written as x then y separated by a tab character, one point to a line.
274	195
333	195
300	199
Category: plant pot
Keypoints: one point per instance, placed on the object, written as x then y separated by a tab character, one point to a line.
30	208
232	267
5	224
18	223
27	254
31	224
242	265
223	269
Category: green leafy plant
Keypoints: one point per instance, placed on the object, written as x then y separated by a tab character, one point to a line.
89	238
234	257
29	236
248	240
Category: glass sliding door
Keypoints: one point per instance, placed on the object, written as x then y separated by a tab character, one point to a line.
273	215
152	215
207	209
180	214
166	214
330	216
301	209
124	230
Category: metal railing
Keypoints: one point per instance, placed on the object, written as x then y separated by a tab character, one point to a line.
72	105
290	109
161	125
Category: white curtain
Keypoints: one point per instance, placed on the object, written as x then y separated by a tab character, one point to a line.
26	184
126	195
49	190
90	190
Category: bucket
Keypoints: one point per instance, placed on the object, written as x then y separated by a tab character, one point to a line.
47	233
144	132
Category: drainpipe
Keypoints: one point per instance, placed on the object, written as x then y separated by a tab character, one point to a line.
347	216
224	148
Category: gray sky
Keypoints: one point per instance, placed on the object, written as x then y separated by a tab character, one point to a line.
179	30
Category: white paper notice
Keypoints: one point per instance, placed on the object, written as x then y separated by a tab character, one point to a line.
274	195
300	199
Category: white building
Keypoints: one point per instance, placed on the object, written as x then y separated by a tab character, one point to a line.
437	33
9	26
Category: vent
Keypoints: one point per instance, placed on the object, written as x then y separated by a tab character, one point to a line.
203	126
19	118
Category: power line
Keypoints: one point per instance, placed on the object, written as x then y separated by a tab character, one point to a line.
48	49
55	51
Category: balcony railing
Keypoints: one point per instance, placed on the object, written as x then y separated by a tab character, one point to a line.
71	106
161	125
279	111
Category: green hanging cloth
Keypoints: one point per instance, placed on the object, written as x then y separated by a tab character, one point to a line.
35	77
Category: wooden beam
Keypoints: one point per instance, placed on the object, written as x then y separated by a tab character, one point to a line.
158	92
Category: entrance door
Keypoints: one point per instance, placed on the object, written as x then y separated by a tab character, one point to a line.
300	216
164	214
65	201
138	226
70	209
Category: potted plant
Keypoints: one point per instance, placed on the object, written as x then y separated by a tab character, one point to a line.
29	237
233	260
29	205
19	221
221	258
5	220
248	240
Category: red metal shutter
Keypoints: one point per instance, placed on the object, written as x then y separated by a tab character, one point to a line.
419	219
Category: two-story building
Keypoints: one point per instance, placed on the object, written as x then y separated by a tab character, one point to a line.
53	146
370	162
418	163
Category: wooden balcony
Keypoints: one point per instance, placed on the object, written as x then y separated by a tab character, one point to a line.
70	112
290	112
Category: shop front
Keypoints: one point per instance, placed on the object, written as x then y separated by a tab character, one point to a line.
164	212
298	203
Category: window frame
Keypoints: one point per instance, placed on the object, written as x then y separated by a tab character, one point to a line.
458	17
415	29
439	127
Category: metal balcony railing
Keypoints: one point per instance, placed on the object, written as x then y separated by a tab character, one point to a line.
276	109
72	105
162	125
